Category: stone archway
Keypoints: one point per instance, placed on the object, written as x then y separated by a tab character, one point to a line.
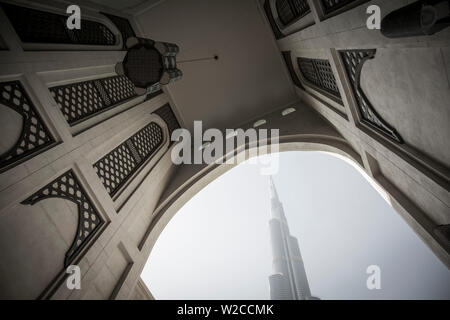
201	178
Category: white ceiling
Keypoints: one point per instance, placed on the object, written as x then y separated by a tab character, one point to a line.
248	80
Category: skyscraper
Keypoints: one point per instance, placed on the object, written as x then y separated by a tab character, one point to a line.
289	280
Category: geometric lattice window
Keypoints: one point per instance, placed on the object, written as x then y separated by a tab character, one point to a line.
68	187
330	6
117	89
284	11
288	60
290	10
166	113
300	7
353	62
276	31
36	26
318	73
35	136
119	165
92	33
82	100
124	26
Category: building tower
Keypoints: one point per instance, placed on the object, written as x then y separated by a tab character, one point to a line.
289	280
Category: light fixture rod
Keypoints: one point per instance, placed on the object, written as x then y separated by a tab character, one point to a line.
215	57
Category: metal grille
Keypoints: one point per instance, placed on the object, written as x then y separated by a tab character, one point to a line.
82	100
117	167
147	140
301	7
319	73
118	88
35	136
68	187
354	61
326	76
284	11
143	65
290	66
276	31
92	33
330	6
290	10
166	113
36	26
308	71
124	26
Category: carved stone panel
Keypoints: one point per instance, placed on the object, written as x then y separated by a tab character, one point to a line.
68	187
354	61
34	136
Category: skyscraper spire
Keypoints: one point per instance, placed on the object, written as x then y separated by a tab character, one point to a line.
273	190
276	210
289	280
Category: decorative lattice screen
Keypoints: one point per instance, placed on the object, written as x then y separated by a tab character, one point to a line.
290	10
118	166
81	100
318	72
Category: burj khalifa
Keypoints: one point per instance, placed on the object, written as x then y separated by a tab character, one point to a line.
289	280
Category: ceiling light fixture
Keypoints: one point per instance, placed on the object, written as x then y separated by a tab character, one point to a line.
287	111
259	123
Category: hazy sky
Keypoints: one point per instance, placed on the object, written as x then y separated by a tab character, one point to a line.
217	245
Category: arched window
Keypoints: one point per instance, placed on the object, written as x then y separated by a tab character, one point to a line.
34	26
291	10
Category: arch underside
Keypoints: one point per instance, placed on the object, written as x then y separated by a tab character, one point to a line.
191	182
179	192
168	207
303	130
